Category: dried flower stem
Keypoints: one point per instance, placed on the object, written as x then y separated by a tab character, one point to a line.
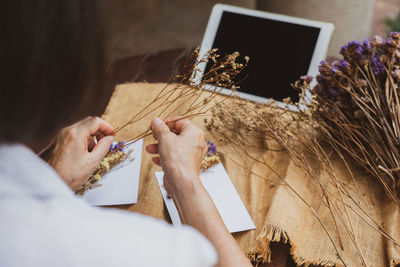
187	94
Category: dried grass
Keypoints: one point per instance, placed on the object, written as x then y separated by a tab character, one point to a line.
184	99
353	112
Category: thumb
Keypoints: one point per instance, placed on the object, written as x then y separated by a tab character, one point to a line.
102	147
159	127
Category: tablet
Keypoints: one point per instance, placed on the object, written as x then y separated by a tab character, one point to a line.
281	49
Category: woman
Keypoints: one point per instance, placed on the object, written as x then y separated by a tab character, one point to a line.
52	61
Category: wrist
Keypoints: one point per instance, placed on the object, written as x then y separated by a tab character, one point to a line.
194	204
191	191
182	183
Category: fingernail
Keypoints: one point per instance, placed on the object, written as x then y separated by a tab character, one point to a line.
157	120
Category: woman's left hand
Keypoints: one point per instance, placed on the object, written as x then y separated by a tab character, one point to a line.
76	155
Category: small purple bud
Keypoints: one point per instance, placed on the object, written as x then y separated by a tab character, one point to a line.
211	148
343	65
377	66
367	45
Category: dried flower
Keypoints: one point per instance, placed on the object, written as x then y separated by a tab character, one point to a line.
343	65
357	104
211	158
377	66
117	154
211	148
187	91
354	111
119	146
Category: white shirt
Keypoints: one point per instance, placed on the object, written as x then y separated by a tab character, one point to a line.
42	223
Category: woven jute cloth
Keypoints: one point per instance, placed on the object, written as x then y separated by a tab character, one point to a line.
296	212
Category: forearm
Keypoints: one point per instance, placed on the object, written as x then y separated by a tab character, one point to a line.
198	210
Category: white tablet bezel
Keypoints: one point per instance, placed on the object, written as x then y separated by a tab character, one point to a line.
319	54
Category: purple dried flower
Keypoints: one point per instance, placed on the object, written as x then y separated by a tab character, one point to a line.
322	64
343	65
395	36
325	68
359	50
377	66
367	45
390	41
356	51
352	46
121	145
211	148
344	49
118	146
111	148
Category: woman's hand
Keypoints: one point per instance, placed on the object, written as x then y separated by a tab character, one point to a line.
181	146
76	155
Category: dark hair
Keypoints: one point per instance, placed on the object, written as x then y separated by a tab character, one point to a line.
52	64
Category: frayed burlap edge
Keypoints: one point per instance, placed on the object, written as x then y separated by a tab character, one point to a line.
271	233
395	262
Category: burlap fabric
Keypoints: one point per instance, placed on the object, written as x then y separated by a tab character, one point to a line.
279	214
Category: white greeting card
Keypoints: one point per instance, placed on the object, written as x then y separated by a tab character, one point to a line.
229	205
121	184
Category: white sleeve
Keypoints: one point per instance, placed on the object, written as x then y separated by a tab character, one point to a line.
108	237
196	249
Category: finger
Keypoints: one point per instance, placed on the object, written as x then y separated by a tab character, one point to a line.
171	122
182	124
88	118
99	135
81	122
157	161
159	127
91	143
152	149
96	125
102	148
178	124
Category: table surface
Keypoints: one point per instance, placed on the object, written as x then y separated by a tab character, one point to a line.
163	67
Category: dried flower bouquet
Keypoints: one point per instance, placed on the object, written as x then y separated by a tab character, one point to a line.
357	105
116	155
184	99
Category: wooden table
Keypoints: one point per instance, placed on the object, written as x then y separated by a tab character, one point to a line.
162	67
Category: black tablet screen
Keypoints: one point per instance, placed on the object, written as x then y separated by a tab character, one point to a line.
279	52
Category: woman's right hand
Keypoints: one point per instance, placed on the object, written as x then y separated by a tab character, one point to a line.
181	148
